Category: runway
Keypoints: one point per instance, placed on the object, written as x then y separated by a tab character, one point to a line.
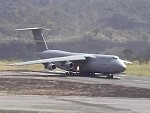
131	81
75	104
69	104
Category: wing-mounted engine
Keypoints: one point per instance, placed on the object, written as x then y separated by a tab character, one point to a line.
50	66
69	65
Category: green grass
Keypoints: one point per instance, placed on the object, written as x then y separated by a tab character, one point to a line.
4	66
140	70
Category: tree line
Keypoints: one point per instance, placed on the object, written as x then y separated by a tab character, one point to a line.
101	26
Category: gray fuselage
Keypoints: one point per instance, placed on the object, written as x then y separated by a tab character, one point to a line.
95	63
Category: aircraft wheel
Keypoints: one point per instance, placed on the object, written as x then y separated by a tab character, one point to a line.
110	76
68	73
92	74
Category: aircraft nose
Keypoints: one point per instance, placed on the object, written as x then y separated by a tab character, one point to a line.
122	65
118	66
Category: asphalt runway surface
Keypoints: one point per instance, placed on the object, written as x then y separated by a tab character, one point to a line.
131	81
69	104
75	104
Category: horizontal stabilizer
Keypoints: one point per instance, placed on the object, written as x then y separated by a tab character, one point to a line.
34	28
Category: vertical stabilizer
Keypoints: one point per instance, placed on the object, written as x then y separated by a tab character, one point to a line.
38	38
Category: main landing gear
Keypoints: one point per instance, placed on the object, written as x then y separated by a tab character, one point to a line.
70	73
111	76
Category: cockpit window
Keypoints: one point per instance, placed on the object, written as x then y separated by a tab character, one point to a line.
115	57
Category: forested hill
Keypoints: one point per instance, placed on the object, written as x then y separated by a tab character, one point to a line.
72	20
77	17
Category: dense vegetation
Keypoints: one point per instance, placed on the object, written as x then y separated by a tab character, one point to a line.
119	27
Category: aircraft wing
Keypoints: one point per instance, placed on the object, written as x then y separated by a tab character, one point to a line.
52	60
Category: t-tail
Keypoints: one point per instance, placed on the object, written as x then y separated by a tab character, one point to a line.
38	37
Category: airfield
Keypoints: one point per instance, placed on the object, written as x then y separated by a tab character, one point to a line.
48	92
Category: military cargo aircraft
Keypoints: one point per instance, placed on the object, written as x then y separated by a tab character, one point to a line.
78	63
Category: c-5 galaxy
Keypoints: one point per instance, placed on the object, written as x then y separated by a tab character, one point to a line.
78	63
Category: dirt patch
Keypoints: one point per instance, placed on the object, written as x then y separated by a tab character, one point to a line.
21	86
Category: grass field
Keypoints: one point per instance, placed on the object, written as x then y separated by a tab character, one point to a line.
4	66
135	69
140	70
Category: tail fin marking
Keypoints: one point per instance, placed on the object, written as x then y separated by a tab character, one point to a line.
38	37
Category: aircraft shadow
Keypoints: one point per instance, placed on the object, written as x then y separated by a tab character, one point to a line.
99	76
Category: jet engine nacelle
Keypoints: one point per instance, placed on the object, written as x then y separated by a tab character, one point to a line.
50	66
69	65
